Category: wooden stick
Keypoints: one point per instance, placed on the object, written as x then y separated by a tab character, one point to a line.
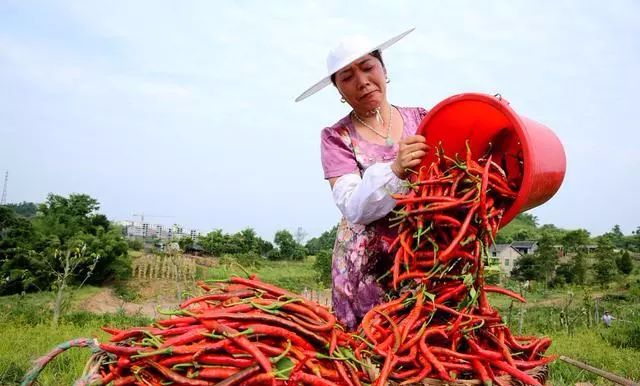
605	374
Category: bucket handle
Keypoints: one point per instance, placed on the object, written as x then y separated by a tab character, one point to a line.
499	97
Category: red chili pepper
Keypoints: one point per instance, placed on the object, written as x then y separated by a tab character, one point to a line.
443	257
272	319
175	377
344	376
280	332
504	291
514	372
525	365
240	341
125	381
389	362
481	371
309	379
122	350
188	337
433	361
240	375
411	319
424	372
220	296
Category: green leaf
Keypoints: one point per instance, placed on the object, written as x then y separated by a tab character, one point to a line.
431	296
284	367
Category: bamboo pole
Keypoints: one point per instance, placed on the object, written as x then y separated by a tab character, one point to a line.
604	374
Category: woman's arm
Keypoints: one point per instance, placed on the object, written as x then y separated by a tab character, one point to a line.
367	198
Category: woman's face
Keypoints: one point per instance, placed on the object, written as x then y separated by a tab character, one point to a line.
363	84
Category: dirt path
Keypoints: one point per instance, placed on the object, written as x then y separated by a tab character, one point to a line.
151	295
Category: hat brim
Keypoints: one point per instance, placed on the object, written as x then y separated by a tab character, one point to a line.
327	80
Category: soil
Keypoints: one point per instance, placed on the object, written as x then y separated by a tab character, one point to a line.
151	295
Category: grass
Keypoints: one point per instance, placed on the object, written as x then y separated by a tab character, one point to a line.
291	275
589	346
26	333
615	349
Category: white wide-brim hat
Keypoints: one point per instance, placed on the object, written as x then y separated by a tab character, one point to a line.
348	50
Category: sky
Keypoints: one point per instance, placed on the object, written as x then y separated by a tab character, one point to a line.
186	109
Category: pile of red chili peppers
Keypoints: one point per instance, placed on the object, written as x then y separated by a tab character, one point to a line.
440	323
436	324
241	332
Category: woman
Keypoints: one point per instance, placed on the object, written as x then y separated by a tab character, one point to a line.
365	156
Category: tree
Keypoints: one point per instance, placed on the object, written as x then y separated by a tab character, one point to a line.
575	240
523	227
24	209
64	266
185	243
264	246
616	236
547	256
553	232
604	270
566	273
213	243
540	265
605	266
503	238
634	240
287	246
322	266
62	224
523	234
528	267
624	263
529	219
325	242
579	267
246	241
21	268
250	242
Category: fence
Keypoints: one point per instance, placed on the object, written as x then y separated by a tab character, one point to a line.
322	297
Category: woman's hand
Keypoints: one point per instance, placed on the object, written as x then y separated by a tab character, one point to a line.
410	152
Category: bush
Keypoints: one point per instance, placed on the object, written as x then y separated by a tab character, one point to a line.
274	254
251	260
322	266
122	267
124	292
623	335
135	244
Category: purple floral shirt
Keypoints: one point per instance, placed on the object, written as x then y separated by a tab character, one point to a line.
359	253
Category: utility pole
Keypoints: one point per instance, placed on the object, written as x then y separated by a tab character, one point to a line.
3	200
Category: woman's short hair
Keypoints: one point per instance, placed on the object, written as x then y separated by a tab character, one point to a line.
376	54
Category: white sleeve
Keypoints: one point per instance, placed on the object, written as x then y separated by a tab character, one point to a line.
365	199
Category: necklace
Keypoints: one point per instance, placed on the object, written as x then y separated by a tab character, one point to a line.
387	138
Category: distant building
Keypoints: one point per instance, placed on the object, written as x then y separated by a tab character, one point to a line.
506	255
526	247
132	230
194	249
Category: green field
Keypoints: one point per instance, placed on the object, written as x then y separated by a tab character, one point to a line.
26	332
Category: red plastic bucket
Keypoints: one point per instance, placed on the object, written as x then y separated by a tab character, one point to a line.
530	152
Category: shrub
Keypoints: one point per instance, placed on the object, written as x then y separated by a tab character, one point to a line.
322	266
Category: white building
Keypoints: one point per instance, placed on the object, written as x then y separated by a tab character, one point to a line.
134	229
506	255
